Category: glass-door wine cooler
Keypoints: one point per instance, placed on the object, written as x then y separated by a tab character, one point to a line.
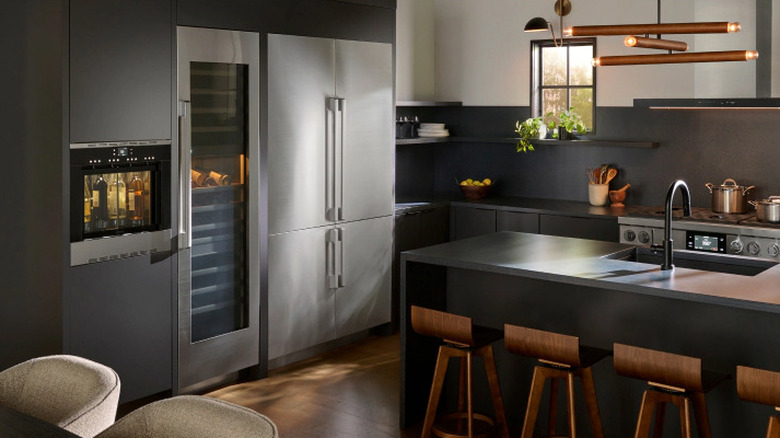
219	196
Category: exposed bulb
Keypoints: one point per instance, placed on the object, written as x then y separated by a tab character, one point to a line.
630	41
734	27
751	54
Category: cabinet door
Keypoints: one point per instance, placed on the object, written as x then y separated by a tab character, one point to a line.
119	313
364	80
469	222
584	228
300	305
121	55
517	221
363	300
300	82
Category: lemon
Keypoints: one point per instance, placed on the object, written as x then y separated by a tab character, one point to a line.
469	181
464	183
487	181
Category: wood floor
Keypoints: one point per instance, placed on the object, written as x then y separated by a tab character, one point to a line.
349	392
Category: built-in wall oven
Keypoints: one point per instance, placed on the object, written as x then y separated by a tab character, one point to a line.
120	202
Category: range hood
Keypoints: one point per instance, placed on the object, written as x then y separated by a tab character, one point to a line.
767	103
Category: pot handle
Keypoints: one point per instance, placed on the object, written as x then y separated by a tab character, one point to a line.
709	186
734	183
774	199
747	189
753	203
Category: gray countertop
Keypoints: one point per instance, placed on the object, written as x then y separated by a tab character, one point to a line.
592	263
531	205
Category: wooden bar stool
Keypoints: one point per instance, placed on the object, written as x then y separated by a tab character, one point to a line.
674	379
761	386
463	340
560	357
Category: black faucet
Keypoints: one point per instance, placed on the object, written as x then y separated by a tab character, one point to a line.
668	242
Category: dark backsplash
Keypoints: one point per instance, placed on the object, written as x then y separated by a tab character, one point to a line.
697	146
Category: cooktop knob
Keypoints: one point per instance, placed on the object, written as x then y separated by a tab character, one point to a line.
644	237
753	248
774	250
737	246
629	235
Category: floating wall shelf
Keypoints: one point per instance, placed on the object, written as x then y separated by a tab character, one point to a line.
588	142
426	103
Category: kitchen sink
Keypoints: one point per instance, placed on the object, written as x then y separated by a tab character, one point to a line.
725	263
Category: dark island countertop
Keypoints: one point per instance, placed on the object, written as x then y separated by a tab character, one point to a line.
595	264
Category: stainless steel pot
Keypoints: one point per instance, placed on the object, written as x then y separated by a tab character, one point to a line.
729	198
767	210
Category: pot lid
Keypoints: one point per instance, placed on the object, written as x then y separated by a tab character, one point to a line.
729	185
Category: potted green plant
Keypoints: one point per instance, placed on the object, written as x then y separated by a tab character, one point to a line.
527	130
569	122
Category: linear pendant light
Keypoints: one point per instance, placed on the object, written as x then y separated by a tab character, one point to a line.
653	43
675	58
660	28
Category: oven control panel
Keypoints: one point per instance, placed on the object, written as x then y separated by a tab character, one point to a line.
761	247
705	242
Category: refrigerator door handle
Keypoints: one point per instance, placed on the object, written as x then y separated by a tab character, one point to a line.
330	159
331	258
339	148
185	184
342	283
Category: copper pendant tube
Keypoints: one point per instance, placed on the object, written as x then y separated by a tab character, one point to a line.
654	43
666	28
731	55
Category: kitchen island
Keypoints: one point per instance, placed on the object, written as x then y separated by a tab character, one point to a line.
584	288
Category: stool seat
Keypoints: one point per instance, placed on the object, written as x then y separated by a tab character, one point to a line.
673	378
761	386
461	339
560	357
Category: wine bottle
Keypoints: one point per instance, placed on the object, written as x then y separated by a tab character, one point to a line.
135	200
117	201
100	203
87	205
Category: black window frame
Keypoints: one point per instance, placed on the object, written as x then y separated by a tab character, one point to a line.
536	75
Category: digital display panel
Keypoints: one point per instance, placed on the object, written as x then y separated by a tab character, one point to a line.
703	242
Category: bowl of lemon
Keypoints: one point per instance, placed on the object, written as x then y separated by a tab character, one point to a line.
474	189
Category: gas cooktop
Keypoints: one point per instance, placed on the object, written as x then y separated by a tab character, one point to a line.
701	214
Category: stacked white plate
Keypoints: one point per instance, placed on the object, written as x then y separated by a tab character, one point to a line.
432	130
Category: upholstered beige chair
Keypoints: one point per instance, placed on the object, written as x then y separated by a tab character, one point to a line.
72	392
192	416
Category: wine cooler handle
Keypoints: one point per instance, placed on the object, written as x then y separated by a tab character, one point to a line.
339	168
185	183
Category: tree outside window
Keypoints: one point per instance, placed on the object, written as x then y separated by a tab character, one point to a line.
564	77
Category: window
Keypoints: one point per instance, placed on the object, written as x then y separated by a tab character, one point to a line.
564	77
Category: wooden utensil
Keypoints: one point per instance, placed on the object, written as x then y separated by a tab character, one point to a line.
624	188
611	173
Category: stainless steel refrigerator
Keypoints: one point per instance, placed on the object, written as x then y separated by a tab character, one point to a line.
330	191
218	253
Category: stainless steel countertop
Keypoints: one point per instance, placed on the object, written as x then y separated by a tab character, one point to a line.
588	263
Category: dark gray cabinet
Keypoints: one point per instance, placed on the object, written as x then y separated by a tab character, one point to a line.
517	221
119	313
415	229
121	64
471	221
586	228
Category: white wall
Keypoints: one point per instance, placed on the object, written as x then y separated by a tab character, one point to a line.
482	54
717	78
415	66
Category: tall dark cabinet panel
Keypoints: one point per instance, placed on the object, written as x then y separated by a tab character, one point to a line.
121	56
32	227
121	317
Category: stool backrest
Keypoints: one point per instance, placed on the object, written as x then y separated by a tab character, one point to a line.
658	367
760	386
448	326
541	344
